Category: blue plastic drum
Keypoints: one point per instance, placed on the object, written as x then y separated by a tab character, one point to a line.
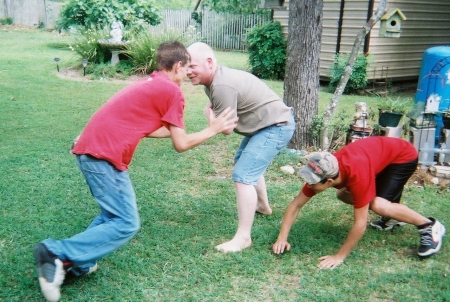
434	81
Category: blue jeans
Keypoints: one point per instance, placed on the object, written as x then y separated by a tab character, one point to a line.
117	223
256	152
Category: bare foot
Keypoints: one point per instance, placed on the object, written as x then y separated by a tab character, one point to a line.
234	245
263	209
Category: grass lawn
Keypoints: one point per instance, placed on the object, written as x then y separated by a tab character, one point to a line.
187	206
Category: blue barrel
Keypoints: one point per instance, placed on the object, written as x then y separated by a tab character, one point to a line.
434	80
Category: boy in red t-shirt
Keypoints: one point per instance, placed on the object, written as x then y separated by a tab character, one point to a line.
152	107
369	174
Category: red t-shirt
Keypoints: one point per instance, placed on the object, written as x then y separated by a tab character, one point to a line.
361	161
114	131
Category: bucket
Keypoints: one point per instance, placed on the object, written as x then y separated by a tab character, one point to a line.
389	119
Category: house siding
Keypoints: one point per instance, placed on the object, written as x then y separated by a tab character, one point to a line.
427	24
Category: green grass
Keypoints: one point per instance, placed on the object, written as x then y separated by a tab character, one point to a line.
187	206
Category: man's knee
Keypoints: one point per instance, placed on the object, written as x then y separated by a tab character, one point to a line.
344	196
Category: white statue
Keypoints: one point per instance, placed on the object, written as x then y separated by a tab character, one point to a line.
116	32
360	117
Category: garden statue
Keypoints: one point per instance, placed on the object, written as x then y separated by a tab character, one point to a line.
115	43
360	128
116	32
361	115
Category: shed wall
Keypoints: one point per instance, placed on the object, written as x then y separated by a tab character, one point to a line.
427	25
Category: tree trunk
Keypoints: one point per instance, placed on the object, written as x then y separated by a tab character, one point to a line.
381	10
301	83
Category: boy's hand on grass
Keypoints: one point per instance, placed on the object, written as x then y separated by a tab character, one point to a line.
330	262
281	245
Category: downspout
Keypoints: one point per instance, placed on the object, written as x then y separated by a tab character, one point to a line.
339	33
367	38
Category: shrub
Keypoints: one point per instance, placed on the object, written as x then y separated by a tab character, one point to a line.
86	45
358	78
139	55
122	70
337	130
142	49
6	21
101	13
267	51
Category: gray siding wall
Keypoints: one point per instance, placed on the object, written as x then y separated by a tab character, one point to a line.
427	25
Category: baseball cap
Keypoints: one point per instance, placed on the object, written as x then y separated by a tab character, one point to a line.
320	166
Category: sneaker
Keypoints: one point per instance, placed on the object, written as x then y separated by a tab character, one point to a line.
386	224
76	271
50	271
431	238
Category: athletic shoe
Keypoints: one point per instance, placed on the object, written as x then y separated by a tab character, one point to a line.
386	224
431	238
50	271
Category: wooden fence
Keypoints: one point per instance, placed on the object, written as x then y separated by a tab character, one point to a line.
221	31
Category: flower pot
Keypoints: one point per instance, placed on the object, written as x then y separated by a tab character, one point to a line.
389	119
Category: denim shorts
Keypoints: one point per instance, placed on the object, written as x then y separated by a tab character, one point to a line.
256	152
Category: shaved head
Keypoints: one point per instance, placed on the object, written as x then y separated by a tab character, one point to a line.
203	64
202	52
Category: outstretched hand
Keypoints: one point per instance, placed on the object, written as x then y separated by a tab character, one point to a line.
224	123
330	262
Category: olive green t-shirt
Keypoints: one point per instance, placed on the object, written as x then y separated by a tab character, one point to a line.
256	105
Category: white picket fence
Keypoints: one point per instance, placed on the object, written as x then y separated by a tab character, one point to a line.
221	31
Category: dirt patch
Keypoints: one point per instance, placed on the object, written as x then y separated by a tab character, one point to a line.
77	75
423	178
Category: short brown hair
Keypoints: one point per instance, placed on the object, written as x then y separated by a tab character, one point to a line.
170	53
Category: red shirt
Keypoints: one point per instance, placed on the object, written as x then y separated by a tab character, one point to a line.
361	161
114	131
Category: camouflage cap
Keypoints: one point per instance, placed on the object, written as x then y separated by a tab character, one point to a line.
320	166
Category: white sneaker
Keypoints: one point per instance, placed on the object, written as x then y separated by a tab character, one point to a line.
431	238
50	271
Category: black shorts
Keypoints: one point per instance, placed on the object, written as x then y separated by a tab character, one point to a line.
390	182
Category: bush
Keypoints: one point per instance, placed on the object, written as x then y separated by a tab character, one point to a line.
86	45
358	78
101	13
139	54
267	51
6	21
142	49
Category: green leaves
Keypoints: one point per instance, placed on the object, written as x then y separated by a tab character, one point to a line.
357	80
93	13
267	51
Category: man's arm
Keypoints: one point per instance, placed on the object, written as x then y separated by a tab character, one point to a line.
160	133
183	141
289	218
356	232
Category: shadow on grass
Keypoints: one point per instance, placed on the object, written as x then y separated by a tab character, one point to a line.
58	45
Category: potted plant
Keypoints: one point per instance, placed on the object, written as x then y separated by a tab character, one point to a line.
390	112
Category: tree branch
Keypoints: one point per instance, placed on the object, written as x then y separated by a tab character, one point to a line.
381	10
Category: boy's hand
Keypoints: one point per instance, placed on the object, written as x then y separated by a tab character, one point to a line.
330	262
224	123
281	245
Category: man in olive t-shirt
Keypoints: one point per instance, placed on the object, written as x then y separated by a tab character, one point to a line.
265	121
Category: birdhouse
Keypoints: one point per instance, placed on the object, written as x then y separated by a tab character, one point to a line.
391	23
